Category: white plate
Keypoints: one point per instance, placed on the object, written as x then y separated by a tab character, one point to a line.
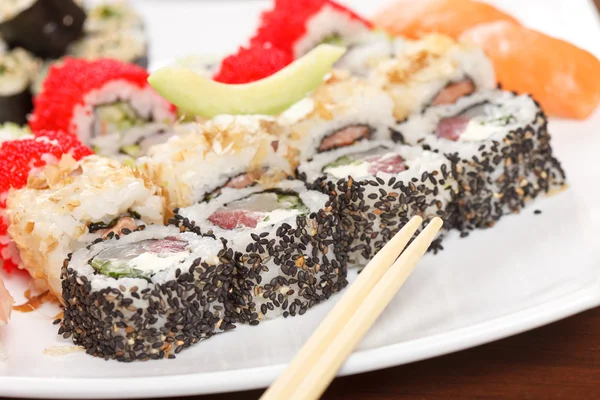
527	271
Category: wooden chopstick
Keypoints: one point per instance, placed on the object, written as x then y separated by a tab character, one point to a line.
290	379
318	377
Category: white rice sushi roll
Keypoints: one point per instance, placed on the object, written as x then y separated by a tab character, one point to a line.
129	45
67	206
146	295
112	16
500	148
286	240
378	186
227	151
342	111
432	71
365	52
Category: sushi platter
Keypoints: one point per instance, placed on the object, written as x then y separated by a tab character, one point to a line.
178	215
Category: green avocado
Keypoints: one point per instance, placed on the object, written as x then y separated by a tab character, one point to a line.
198	95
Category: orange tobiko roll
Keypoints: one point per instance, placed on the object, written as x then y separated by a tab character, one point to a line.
414	18
562	77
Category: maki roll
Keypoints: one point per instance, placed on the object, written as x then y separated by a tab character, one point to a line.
146	294
227	151
297	26
500	148
112	16
17	69
435	70
11	131
44	27
68	205
20	154
129	46
365	52
342	111
108	104
286	240
378	186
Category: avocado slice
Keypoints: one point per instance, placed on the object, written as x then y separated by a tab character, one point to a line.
197	95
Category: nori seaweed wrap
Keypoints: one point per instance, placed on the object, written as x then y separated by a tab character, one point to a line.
43	27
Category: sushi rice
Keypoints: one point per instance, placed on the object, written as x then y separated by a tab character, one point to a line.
286	240
67	206
377	186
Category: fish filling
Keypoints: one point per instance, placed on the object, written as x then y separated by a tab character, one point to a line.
264	208
366	163
140	260
453	92
476	123
345	137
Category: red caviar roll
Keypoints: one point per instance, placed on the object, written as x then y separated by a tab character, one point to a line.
17	159
107	103
299	25
253	63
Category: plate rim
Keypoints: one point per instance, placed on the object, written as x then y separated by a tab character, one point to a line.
473	335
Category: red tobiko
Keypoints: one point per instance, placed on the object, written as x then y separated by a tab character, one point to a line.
286	23
252	64
69	82
18	158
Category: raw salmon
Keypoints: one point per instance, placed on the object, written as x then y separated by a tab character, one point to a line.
6	303
563	78
413	18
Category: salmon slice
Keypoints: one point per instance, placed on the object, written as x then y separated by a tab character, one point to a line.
413	18
6	303
560	76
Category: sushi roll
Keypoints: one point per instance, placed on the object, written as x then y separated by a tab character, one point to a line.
287	241
365	52
112	16
227	151
129	46
108	104
68	205
17	69
146	294
432	71
500	148
297	26
378	186
342	111
11	131
6	304
20	154
44	27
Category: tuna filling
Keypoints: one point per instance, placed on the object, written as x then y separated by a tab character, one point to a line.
267	207
475	123
140	260
345	137
366	163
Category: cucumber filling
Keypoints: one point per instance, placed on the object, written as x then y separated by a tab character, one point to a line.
140	260
266	207
366	163
116	117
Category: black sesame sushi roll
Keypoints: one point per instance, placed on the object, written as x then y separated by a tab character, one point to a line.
287	240
147	294
500	148
378	186
17	68
44	27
